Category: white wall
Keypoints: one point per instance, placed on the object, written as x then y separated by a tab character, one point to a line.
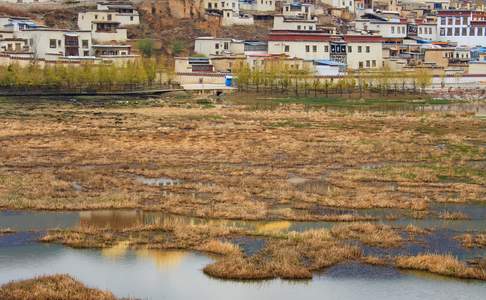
259	5
212	46
280	23
455	32
427	31
354	57
40	42
299	49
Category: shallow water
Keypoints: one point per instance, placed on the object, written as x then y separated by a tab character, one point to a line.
177	275
44	220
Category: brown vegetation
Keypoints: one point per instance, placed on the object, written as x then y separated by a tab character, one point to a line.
441	264
55	287
472	240
234	162
446	215
370	234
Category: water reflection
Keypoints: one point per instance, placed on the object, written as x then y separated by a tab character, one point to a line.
151	274
116	251
164	260
117	219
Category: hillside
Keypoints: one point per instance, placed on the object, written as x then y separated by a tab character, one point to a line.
173	24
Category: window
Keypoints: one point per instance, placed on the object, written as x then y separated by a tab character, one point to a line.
471	31
393	29
109	17
442	21
464	31
442	32
449	21
96	17
298	27
458	21
367	63
480	31
307	48
86	53
457	31
373	63
326	48
131	18
359	49
314	48
420	30
464	20
367	49
287	48
449	31
350	49
226	46
85	43
430	30
216	46
361	65
52	43
59	43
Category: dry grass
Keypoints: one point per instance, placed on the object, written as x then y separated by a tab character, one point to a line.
6	231
370	234
441	264
446	215
294	257
235	163
55	287
472	240
220	247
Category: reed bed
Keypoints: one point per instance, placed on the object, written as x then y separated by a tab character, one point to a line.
446	265
235	163
53	287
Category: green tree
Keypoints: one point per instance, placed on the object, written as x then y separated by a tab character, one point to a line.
146	47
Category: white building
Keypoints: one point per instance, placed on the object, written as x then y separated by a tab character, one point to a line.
218	5
109	21
257	5
217	46
356	51
348	5
463	27
427	31
298	10
387	29
281	22
55	44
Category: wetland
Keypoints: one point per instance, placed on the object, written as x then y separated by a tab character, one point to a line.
272	198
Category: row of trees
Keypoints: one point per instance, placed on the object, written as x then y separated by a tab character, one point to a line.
280	76
141	72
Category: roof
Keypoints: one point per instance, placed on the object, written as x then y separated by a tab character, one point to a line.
105	22
326	62
457	12
319	36
111	46
255	43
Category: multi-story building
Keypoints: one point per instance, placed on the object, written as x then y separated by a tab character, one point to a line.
298	10
257	5
281	22
217	46
108	21
54	44
464	27
356	51
348	5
